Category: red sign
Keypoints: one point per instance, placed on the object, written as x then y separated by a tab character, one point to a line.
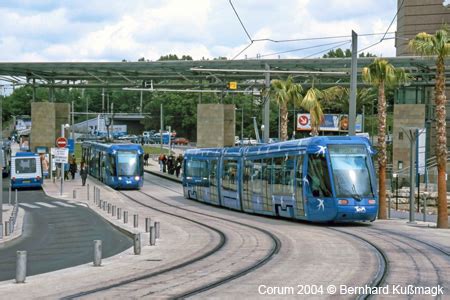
303	120
61	142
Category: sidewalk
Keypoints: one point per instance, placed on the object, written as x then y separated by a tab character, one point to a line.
174	245
7	211
153	168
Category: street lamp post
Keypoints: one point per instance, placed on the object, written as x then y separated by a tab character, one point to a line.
63	126
242	123
412	133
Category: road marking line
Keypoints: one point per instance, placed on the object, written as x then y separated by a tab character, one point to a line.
46	204
29	205
62	204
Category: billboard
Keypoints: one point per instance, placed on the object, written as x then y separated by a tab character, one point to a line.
330	122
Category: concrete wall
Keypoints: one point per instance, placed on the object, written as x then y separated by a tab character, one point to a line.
418	16
215	125
405	115
46	123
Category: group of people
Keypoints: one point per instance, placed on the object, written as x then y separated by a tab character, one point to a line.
170	164
72	168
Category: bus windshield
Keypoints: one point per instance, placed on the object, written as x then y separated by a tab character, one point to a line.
350	168
25	165
127	163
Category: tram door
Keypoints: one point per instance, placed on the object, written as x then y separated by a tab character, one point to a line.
299	201
214	196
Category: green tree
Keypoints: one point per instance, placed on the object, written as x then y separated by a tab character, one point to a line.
313	101
285	92
380	73
438	45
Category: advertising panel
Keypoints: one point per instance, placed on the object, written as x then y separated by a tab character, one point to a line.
330	122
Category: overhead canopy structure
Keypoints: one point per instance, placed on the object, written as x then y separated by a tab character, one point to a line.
197	74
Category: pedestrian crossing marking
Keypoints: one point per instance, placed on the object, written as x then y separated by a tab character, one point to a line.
29	205
62	204
45	204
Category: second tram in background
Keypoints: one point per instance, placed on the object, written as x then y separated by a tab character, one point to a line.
317	179
121	166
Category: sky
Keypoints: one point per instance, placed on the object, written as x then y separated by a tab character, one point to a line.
113	30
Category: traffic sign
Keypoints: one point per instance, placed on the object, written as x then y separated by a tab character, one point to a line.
61	142
61	155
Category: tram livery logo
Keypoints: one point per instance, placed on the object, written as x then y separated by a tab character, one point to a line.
360	209
320	205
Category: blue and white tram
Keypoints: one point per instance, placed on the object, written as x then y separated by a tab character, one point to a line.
26	170
317	179
121	166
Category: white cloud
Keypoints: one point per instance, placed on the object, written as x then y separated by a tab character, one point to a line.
111	31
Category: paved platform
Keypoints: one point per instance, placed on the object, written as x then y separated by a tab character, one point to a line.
174	245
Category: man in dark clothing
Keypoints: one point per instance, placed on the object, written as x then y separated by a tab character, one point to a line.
178	164
146	156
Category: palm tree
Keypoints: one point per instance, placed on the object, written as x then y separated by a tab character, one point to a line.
312	103
438	45
380	73
285	92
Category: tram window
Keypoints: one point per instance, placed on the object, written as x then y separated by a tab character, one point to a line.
213	172
299	182
229	176
112	165
127	163
266	183
283	177
256	177
196	168
318	177
25	165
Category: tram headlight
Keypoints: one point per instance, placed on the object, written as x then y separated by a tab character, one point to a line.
343	202
137	178
120	178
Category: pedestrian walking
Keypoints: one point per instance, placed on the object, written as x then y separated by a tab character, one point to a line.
178	165
146	156
83	173
164	162
171	165
73	167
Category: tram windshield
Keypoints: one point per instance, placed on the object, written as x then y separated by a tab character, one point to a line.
350	167
127	163
25	165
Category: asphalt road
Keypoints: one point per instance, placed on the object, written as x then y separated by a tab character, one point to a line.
57	235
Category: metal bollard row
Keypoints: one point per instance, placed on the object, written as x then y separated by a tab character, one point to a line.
21	266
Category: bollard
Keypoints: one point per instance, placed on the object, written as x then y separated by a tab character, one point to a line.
104	205
425	208
97	253
148	223
389	207
94	191
1	231
16	196
87	188
119	213
135	221
137	244
113	211
7	228
109	208
157	226
125	217
98	192
99	203
152	236
74	194
21	266
9	195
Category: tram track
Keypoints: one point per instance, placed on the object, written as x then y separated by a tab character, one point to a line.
276	245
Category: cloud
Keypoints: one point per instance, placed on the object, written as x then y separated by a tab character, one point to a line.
116	30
